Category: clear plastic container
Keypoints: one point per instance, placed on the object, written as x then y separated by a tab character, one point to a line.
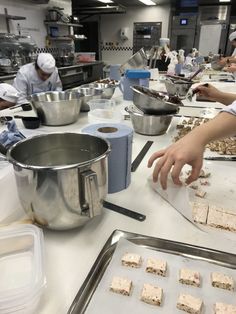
21	269
103	111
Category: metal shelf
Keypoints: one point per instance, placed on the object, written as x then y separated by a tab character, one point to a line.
61	23
10	17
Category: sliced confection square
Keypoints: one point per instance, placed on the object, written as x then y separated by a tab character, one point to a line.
200	193
151	294
222	308
221	218
131	260
156	266
200	212
189	304
121	285
222	281
189	277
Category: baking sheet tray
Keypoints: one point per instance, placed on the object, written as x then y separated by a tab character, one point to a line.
187	253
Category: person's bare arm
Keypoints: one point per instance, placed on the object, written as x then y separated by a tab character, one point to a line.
189	149
215	94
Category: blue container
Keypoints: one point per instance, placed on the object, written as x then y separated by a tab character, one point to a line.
133	77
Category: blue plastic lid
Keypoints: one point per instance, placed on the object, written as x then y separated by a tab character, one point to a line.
137	73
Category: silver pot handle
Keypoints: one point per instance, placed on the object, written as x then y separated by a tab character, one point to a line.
92	205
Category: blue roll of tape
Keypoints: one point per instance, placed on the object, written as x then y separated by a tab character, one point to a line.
120	138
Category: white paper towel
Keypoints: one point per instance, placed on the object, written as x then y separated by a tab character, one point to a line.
119	160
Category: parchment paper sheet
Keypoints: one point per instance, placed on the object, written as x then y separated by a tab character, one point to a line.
107	302
220	192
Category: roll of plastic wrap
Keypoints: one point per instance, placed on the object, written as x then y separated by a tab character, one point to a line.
119	160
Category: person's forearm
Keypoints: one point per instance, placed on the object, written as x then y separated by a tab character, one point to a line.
225	98
223	125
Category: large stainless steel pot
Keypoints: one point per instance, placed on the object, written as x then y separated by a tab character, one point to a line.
61	178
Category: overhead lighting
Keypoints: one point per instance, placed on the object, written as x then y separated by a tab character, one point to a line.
224	0
106	1
148	2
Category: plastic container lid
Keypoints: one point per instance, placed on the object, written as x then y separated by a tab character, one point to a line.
137	73
21	268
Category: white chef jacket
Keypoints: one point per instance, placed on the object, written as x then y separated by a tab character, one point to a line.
230	109
27	82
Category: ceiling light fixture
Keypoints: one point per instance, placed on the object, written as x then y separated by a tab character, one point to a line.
106	1
148	2
224	0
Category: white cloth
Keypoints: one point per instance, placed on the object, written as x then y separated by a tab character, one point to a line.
8	93
232	36
234	53
46	62
27	82
230	109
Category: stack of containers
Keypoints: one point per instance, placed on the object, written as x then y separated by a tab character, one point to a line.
21	268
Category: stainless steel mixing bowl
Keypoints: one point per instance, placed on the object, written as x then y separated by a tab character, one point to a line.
152	102
89	92
57	108
138	61
61	178
177	87
148	124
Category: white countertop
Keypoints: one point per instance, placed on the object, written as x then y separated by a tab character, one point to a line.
69	255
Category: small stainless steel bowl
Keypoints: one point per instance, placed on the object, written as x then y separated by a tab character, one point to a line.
148	124
177	87
152	102
89	92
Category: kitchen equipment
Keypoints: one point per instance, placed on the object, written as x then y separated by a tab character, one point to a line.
120	138
57	108
108	89
133	78
124	211
89	92
115	72
29	122
103	111
148	124
177	87
86	57
137	61
221	158
25	107
152	102
193	254
140	156
61	178
22	269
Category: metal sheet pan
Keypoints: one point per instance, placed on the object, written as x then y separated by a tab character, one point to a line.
90	284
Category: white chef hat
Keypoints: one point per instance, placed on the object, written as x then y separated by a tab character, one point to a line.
46	62
232	36
8	93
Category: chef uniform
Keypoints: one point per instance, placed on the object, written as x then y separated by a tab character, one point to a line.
28	80
8	96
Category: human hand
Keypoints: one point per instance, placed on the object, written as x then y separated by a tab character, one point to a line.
209	91
222	61
187	150
231	68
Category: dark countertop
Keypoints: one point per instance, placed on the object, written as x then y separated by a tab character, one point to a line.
8	77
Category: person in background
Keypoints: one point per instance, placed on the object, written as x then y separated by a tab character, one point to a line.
228	62
39	76
190	148
8	96
212	93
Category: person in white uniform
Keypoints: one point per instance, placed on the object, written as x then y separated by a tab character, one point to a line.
229	62
190	148
39	76
8	96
